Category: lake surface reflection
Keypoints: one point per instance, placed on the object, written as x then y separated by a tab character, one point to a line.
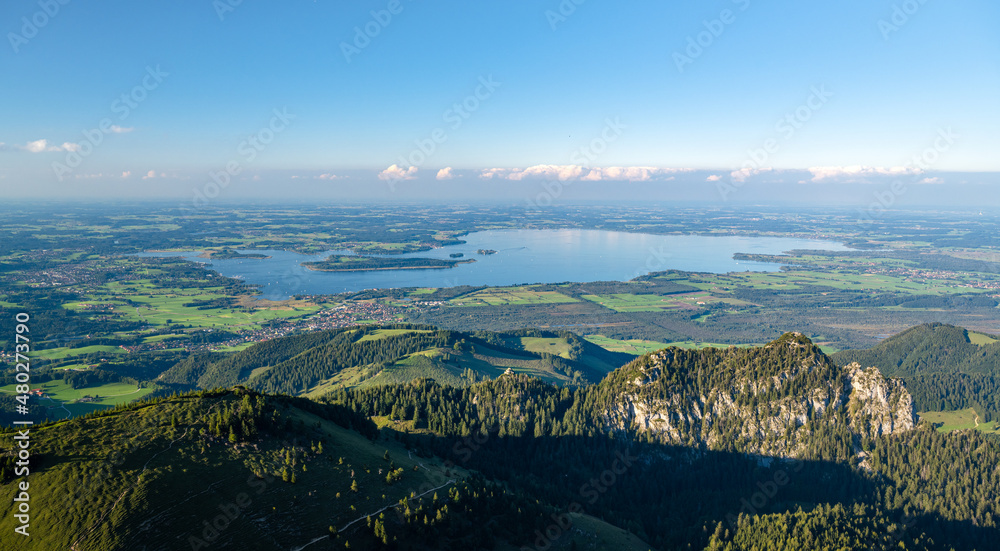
523	256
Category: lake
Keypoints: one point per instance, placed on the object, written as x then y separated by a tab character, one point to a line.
523	256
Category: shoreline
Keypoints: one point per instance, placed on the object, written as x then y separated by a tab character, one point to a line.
209	255
314	269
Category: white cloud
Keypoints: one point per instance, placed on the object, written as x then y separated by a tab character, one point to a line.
126	174
713	178
40	146
934	180
630	173
120	130
326	176
575	172
856	173
489	173
742	174
445	174
149	175
395	173
37	146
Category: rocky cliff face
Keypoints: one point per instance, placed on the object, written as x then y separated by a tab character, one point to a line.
766	401
877	405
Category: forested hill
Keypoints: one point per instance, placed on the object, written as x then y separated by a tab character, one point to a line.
236	469
515	461
944	367
864	478
782	399
927	349
369	355
772	399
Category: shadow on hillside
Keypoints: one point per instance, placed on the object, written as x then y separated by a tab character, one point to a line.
674	495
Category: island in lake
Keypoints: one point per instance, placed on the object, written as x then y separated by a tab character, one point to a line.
486	251
351	263
456	255
230	254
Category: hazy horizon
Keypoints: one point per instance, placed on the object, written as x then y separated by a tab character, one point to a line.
728	101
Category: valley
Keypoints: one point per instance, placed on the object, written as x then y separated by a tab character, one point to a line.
327	420
500	276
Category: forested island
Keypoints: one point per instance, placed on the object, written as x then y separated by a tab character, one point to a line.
351	263
230	254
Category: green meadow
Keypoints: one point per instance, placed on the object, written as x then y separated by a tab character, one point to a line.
164	306
958	420
627	302
555	346
639	347
63	400
510	295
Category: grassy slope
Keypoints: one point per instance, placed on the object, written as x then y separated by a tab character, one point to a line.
129	479
958	420
980	339
430	363
638	347
445	365
62	400
159	487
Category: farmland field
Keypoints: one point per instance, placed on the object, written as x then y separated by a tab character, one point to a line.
639	347
382	333
510	295
163	306
60	353
957	420
555	346
625	302
63	400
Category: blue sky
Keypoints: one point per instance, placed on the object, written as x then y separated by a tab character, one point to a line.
587	91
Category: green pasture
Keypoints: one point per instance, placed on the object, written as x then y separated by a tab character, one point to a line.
382	333
555	346
639	347
510	295
112	393
64	352
797	279
958	420
980	338
626	302
163	306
